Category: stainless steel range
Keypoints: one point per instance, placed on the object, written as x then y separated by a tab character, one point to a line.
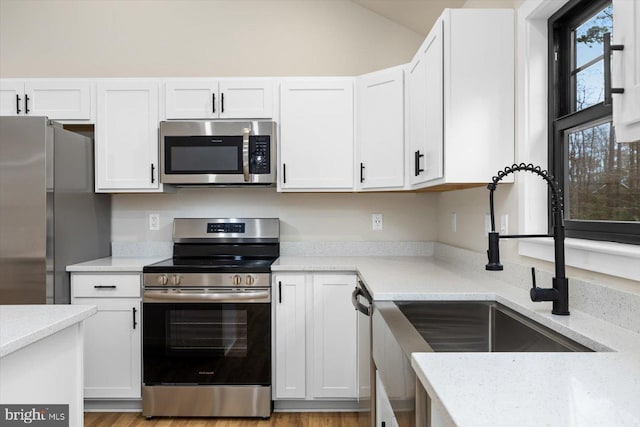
206	335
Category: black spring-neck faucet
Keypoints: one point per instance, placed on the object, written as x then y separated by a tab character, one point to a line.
559	293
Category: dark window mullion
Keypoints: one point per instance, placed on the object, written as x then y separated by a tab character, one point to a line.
575	71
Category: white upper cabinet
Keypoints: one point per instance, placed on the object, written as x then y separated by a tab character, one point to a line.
127	136
425	109
213	99
316	135
59	99
626	70
380	129
246	99
461	97
191	99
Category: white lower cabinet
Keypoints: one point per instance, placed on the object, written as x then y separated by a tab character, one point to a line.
384	411
315	336
112	341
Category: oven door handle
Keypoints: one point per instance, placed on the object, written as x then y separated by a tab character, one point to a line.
199	296
245	153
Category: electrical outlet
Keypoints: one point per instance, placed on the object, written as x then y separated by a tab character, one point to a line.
504	224
376	222
454	222
154	222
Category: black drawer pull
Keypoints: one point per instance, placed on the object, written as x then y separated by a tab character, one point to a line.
134	318
18	110
104	286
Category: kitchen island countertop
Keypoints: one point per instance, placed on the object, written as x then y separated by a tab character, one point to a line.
22	325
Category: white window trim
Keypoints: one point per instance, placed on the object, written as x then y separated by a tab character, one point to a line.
615	259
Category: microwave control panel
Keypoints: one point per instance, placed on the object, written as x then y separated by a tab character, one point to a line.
260	149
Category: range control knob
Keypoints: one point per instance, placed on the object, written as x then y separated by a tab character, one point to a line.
163	279
250	280
175	280
237	279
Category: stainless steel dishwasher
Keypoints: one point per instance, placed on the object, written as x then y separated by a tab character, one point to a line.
366	370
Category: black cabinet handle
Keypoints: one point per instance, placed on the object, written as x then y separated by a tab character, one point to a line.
18	110
26	103
222	102
361	172
213	101
153	168
104	286
280	292
284	173
134	318
608	48
416	157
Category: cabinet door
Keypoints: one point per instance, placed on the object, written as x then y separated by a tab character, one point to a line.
246	99
626	70
58	100
191	99
290	321
127	136
334	340
425	109
11	97
112	355
381	129
316	135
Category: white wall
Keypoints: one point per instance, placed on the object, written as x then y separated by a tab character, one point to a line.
134	38
162	38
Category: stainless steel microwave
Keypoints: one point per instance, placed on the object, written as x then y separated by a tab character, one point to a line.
218	152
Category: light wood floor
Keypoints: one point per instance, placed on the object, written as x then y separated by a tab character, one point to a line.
280	419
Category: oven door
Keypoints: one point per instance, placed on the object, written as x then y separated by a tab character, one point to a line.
213	343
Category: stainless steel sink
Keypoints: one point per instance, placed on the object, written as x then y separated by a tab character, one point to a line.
481	326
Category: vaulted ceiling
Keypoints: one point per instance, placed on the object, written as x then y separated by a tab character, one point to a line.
417	15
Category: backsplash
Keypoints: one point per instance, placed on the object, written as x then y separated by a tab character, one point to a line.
617	306
303	217
120	249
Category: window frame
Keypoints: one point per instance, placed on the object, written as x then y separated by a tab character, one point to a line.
561	118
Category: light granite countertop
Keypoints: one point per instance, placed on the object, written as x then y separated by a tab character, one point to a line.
506	389
21	325
114	264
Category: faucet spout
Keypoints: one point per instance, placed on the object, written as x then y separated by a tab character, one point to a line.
559	292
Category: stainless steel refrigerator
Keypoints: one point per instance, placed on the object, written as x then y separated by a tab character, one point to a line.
50	216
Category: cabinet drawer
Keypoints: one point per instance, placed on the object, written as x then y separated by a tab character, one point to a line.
105	285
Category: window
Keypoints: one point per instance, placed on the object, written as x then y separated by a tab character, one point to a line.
600	178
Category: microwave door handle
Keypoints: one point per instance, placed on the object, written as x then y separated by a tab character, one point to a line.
245	153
